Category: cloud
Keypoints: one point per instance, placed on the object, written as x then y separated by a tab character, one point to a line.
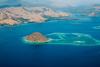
64	3
1	1
54	3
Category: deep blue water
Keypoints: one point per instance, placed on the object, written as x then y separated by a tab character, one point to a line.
15	53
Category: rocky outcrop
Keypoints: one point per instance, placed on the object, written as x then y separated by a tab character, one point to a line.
15	15
9	21
37	37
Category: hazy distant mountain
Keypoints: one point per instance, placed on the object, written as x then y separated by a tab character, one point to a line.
7	3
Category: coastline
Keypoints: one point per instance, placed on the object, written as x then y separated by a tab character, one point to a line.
50	42
24	39
18	15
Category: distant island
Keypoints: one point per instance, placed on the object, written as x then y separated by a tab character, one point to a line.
18	15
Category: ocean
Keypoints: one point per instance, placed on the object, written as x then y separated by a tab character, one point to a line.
14	52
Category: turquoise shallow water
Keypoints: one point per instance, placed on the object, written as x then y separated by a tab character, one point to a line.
16	53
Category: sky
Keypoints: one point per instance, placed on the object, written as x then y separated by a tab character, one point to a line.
64	3
56	3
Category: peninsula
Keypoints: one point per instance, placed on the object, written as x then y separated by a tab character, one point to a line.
18	15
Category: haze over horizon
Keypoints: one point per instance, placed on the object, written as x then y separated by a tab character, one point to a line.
54	3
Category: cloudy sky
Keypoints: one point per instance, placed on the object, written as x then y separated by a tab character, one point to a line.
64	3
56	3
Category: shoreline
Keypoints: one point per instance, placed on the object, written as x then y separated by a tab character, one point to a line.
53	44
49	42
24	39
18	15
